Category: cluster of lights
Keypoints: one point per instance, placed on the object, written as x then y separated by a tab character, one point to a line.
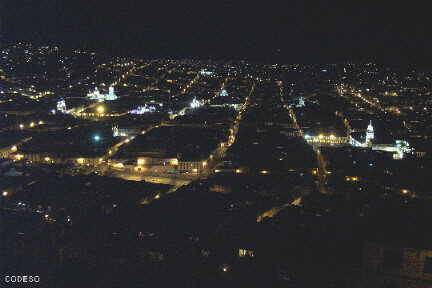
328	139
96	95
143	109
196	103
18	157
32	124
352	178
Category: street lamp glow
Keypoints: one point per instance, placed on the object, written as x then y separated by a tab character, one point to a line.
5	193
96	138
100	109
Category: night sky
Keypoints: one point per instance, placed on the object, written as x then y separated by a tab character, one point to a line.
295	31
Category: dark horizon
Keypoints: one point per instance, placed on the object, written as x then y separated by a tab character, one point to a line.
321	32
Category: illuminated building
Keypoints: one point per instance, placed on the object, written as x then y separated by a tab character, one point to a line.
399	148
124	132
369	134
326	140
205	72
196	103
111	94
143	109
61	106
246	253
97	95
301	102
223	93
117	133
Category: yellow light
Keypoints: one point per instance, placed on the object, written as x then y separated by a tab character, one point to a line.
141	161
264	172
41	122
404	191
5	193
157	196
100	109
21	126
118	165
14	148
174	162
217	170
320	136
32	124
47	159
351	178
204	163
238	171
80	160
332	136
19	156
195	170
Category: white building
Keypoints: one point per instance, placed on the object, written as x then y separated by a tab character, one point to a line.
399	148
61	106
301	102
369	134
196	103
96	95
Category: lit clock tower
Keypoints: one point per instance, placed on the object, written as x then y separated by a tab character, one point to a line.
369	134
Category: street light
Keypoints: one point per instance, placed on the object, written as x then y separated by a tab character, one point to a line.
96	138
2	200
100	109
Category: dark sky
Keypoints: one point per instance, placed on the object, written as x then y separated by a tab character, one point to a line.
286	31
